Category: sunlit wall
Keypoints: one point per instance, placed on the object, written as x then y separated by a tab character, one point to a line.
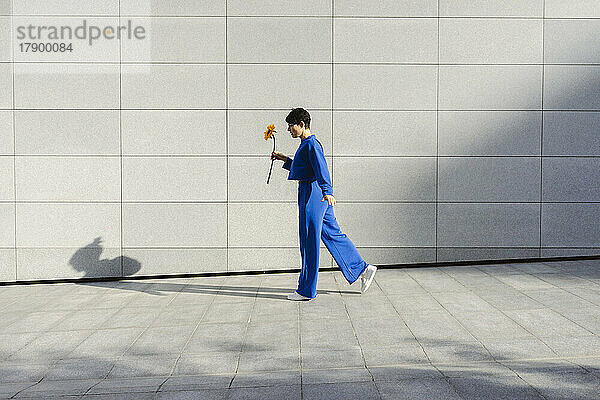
453	130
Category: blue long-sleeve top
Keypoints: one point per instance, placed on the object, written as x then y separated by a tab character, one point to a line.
309	164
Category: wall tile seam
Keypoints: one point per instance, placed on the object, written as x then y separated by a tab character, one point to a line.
21	248
14	129
542	127
121	143
227	266
437	133
287	202
309	63
315	16
201	247
328	155
399	110
332	46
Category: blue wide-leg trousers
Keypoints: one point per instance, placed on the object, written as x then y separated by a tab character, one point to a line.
317	222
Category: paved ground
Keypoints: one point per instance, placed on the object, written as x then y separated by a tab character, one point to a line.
518	331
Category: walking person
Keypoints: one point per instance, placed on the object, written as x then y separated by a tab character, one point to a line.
316	218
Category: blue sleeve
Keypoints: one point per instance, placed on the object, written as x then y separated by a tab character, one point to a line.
319	166
287	164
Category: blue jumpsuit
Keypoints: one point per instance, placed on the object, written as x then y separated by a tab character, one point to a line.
316	219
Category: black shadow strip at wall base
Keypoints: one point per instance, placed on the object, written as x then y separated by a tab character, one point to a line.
296	270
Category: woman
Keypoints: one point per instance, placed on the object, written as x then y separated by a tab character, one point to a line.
316	219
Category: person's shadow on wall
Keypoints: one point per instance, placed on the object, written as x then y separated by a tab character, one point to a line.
87	259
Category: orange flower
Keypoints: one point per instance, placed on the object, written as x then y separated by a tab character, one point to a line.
269	132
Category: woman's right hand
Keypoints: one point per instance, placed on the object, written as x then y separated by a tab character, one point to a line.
278	156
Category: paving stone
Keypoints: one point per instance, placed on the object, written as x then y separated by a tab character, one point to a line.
404	372
456	352
588	318
590	364
406	353
407	304
143	365
152	341
436	327
265	393
491	325
340	375
525	282
50	346
238	337
195	382
438	282
59	388
180	316
80	369
559	379
216	337
12	342
271	378
340	391
515	349
132	318
202	394
320	359
565	280
15	372
394	335
208	363
576	346
128	385
7	390
475	370
546	323
537	268
510	299
83	319
559	300
417	389
36	322
504	387
269	361
106	343
228	313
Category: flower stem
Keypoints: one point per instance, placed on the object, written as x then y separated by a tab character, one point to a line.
270	169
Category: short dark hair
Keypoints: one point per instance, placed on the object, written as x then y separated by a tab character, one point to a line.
297	115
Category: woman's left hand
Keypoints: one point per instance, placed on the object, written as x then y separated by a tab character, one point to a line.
329	198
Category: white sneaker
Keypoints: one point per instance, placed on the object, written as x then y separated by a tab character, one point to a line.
297	297
366	278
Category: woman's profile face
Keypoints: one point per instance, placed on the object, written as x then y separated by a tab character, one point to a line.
295	129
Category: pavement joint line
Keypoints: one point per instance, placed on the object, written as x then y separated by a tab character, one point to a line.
407	266
516	322
137	338
567	360
245	335
362	354
30	386
415	337
54	363
441	364
300	352
479	341
565	289
212	300
533	334
446	378
546	306
402	319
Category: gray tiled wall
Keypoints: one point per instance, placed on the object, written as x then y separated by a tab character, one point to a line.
453	130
